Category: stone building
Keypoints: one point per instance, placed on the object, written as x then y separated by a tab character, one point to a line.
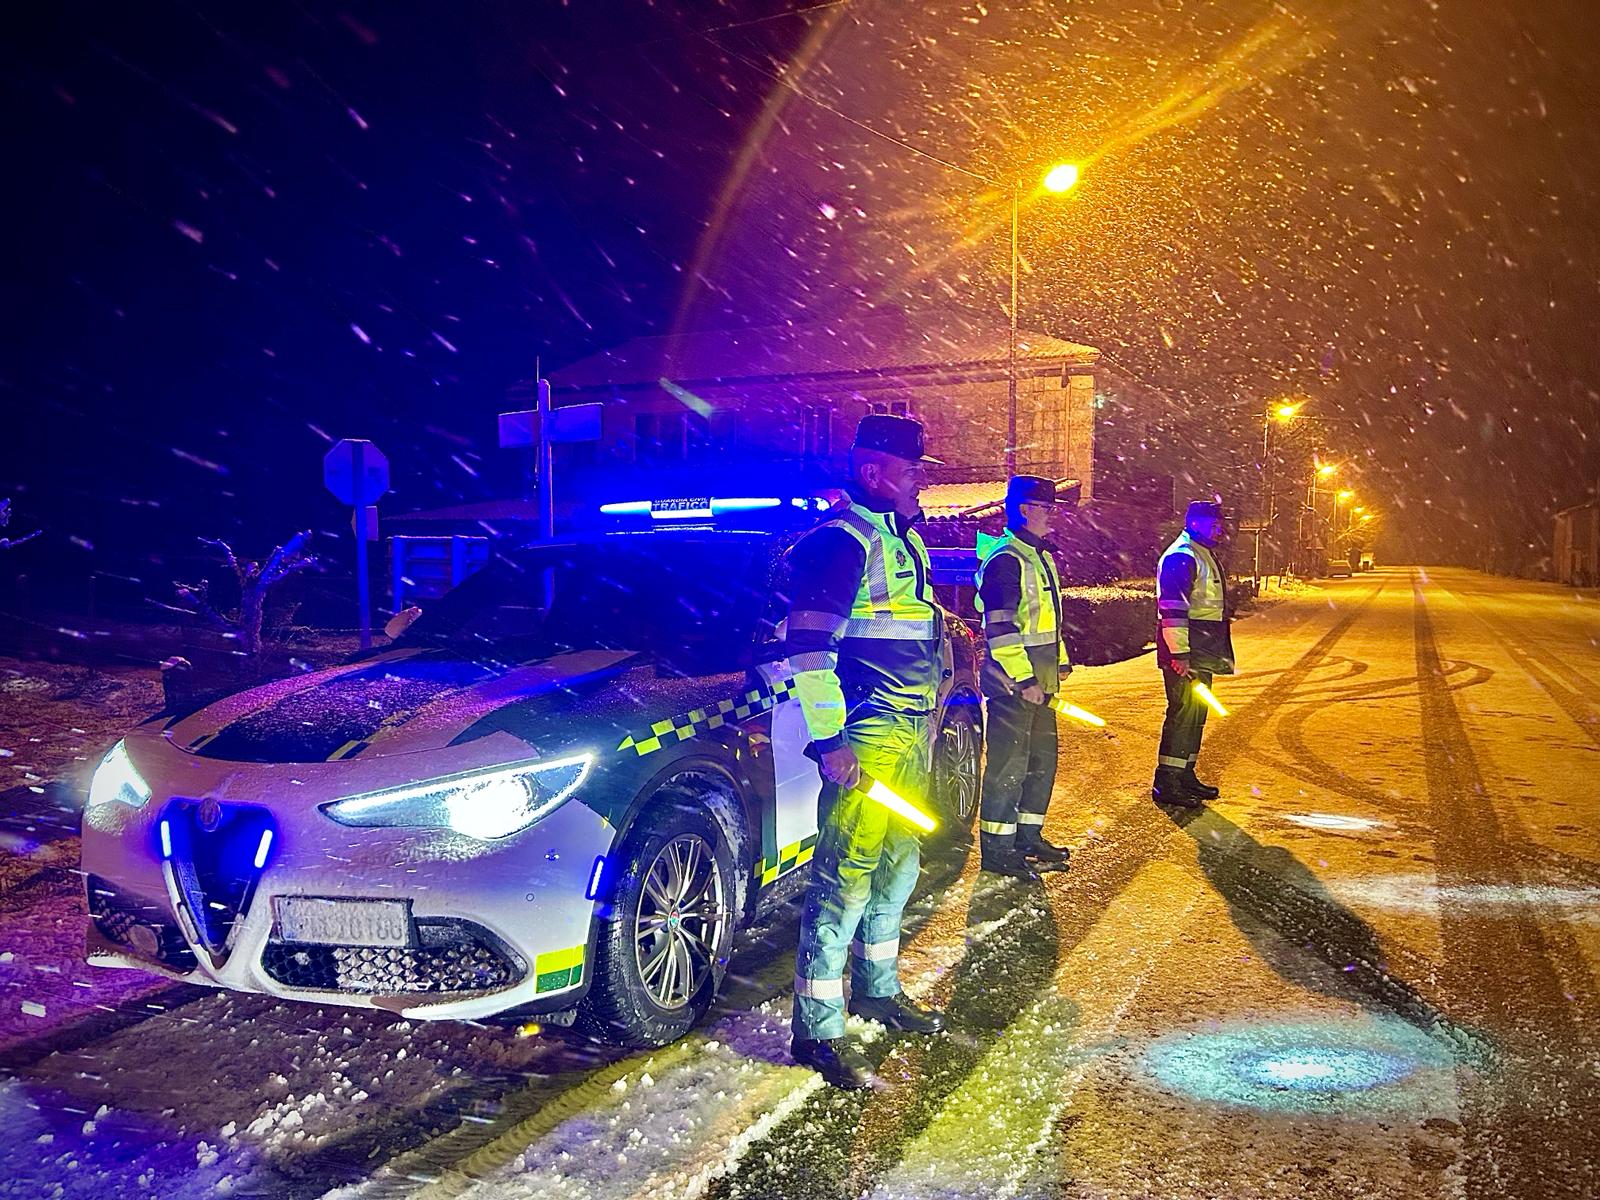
793	394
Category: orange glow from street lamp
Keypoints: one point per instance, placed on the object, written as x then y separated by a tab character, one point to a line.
1062	177
1285	412
1327	469
1346	494
1368	516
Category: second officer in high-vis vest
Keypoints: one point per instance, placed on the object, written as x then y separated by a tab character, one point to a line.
1019	595
1194	644
863	641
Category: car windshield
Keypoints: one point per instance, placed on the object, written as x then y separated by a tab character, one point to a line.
693	604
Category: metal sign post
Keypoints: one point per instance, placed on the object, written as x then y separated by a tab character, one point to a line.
357	473
536	430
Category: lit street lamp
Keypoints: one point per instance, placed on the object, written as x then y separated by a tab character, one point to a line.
1281	412
1059	180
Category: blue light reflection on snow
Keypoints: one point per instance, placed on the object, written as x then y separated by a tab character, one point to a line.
1352	1065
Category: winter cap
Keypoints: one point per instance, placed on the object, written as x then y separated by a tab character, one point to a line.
887	434
1032	489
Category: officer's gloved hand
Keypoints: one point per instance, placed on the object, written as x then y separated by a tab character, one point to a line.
1033	694
1180	665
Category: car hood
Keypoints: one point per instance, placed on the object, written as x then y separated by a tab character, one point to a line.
401	702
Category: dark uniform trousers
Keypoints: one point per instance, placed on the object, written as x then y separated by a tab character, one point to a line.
1185	720
1020	773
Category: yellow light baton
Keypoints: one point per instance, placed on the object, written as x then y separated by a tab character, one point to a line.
1068	709
1209	699
895	802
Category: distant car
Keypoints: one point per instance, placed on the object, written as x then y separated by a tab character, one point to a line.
564	809
1338	568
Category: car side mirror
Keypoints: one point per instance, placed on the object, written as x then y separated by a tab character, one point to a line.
401	621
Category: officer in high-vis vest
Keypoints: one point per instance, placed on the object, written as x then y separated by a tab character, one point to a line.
863	640
1193	644
1019	596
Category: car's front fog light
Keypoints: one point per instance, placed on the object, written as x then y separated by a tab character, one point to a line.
116	780
482	804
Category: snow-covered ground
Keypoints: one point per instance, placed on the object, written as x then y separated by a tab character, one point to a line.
1370	969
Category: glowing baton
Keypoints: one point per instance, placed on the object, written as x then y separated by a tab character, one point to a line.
895	803
1209	699
1068	709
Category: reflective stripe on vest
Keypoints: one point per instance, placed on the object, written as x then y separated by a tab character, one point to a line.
1205	597
888	603
1036	619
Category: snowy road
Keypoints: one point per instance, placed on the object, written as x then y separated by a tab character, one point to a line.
1369	969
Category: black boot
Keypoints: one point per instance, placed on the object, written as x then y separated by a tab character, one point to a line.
836	1059
1049	857
1010	864
897	1012
1197	787
1169	788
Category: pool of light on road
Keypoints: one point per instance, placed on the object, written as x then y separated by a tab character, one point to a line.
1351	1064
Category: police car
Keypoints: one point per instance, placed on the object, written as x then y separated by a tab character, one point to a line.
561	791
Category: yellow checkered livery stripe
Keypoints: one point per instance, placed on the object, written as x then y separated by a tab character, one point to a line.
795	854
556	969
703	720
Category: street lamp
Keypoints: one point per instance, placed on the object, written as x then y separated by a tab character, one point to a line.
1342	494
1059	180
1281	412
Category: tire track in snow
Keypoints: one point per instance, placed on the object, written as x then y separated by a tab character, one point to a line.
1526	1130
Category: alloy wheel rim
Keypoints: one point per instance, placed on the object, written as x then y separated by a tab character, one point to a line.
961	768
678	930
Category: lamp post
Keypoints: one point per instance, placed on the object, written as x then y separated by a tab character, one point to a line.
1059	180
1281	411
1333	517
1321	471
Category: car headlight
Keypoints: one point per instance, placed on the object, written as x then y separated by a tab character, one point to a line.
116	780
482	804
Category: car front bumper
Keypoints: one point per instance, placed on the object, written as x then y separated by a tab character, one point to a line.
494	925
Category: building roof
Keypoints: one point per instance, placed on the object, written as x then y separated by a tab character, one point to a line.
885	343
953	499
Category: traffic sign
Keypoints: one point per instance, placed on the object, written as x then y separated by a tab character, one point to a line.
574	423
356	472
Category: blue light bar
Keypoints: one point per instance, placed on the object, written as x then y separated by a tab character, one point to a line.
699	508
166	840
594	878
261	850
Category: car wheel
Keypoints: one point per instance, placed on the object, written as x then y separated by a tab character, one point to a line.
667	931
956	769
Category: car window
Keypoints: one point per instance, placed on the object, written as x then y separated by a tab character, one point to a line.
693	604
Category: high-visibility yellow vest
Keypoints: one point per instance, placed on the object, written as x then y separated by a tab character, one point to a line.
895	599
1197	624
1036	650
884	653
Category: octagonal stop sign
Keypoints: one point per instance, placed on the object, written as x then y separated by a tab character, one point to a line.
356	472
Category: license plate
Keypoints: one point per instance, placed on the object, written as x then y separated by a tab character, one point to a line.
328	922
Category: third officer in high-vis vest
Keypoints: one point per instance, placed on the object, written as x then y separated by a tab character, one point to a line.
1019	595
863	640
1193	645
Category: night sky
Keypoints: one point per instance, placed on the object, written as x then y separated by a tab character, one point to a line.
239	230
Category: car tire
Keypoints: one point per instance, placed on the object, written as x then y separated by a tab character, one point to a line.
957	762
674	895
